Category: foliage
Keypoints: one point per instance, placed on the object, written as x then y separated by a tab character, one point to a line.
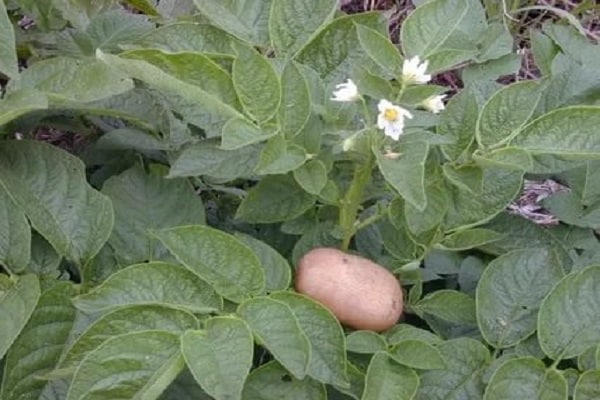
150	255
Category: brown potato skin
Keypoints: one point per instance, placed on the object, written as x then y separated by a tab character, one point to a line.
359	292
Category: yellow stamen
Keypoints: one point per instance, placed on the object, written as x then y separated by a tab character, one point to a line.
390	114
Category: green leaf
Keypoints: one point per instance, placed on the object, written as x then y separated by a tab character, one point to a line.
317	235
505	158
544	51
587	359
292	23
113	29
328	346
522	234
21	102
38	347
189	36
406	173
386	380
275	198
335	51
130	139
397	240
256	83
550	163
401	332
78	13
100	268
469	238
426	30
492	70
77	80
44	260
110	31
573	84
209	159
357	385
495	42
15	235
272	382
193	68
467	177
419	222
143	107
238	133
380	49
510	291
458	122
375	86
152	283
76	220
17	302
220	356
138	365
177	89
499	188
56	390
475	38
506	112
569	317
588	386
246	19
365	342
9	64
526	378
312	176
276	327
278	273
130	319
220	259
569	131
417	354
466	360
448	305
144	202
330	194
568	209
280	157
573	43
295	107
184	387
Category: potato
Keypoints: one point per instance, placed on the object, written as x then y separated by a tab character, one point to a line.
359	292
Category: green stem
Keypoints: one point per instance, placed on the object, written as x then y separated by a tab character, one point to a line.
401	92
352	200
365	111
369	220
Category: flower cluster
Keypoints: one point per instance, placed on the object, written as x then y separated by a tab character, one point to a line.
391	116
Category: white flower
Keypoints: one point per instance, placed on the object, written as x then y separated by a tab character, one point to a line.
413	71
434	103
345	91
391	119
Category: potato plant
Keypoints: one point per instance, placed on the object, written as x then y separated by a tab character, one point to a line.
164	165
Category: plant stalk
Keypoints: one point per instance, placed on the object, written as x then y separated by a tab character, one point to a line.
352	200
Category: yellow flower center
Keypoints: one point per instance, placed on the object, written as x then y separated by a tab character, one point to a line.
390	114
